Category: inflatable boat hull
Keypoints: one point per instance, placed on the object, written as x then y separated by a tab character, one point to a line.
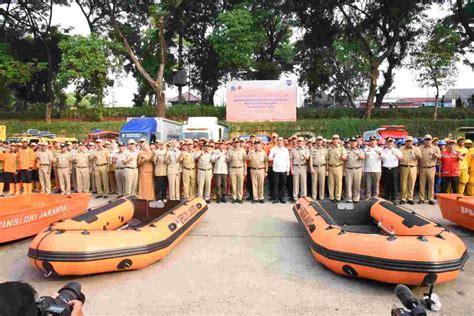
458	209
98	241
25	215
390	258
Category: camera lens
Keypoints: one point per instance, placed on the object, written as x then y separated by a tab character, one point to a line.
72	291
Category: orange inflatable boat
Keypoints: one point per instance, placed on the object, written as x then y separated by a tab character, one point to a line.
378	240
25	215
457	208
125	234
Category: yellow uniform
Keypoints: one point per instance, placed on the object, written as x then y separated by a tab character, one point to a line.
470	163
463	169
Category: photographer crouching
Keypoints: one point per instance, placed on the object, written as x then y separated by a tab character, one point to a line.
18	298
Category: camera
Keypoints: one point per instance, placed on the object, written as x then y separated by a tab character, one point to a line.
47	305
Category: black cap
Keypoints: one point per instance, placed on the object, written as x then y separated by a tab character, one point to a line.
121	144
372	137
63	145
389	139
353	139
257	141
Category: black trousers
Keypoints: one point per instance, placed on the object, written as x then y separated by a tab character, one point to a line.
446	181
390	183
26	176
279	185
289	185
160	187
271	182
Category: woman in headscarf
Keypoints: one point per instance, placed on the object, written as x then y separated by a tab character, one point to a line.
145	170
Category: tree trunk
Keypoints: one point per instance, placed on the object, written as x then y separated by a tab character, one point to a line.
435	113
49	85
160	103
160	95
374	75
48	112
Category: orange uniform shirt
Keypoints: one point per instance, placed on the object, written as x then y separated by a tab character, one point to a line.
26	158
10	161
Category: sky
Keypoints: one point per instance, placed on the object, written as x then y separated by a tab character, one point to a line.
125	86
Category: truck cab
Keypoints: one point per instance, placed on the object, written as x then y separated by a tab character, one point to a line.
397	132
205	127
151	129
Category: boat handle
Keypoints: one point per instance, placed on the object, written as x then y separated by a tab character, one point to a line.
47	274
385	229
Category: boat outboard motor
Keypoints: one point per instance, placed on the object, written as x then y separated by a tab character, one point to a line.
409	300
430	299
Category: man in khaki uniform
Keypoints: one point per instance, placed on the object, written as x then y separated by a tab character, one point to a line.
63	163
119	160
100	158
82	165
429	157
336	157
353	167
111	169
298	168
204	174
220	157
91	148
173	170
318	158
237	170
159	160
45	160
188	162
258	163
408	170
131	167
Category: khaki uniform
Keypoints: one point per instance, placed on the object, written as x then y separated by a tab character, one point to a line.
120	171
159	159
173	170
73	153
188	161
318	158
204	176
258	163
111	175
335	168
82	166
101	160
131	172
300	170
353	169
63	163
219	158
408	170
428	160
45	158
237	171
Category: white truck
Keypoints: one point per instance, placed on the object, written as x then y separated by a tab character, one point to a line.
151	129
205	127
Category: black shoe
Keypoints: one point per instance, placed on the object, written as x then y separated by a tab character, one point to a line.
431	202
291	200
282	201
411	202
208	201
234	201
250	198
337	201
254	201
394	202
349	201
240	201
332	201
355	202
105	196
261	201
223	200
402	202
421	202
218	201
275	201
98	196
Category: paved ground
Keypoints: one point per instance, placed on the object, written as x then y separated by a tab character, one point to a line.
241	259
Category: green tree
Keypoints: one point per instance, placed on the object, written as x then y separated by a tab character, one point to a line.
434	58
86	62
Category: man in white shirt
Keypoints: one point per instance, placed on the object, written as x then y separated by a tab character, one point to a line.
281	169
372	167
390	160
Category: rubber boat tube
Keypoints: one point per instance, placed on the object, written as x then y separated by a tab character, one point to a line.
375	239
125	234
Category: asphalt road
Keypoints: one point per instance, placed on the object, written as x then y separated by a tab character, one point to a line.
241	259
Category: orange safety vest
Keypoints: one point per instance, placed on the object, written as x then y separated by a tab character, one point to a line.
450	163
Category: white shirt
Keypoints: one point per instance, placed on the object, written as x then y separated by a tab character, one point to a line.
281	159
373	159
390	157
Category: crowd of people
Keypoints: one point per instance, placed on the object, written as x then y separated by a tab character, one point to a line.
341	170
